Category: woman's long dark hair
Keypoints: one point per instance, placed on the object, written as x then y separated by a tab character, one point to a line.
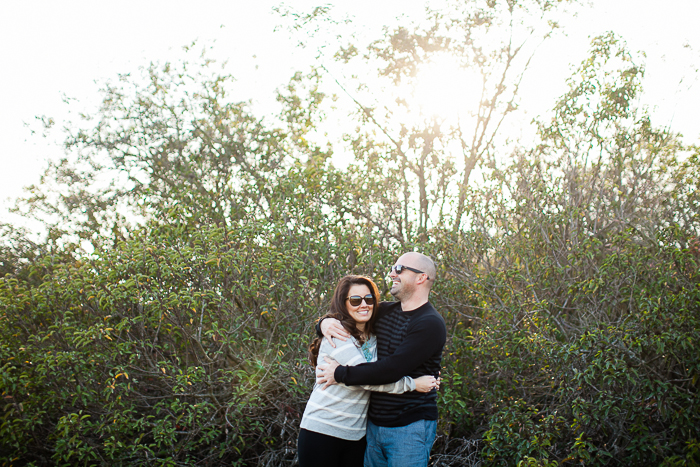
339	311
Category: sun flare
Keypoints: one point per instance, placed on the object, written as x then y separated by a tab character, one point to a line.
445	90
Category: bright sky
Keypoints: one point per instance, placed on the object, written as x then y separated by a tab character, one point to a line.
51	48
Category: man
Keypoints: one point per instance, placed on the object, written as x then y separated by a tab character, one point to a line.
410	338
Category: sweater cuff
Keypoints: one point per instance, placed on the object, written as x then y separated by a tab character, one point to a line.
340	373
411	383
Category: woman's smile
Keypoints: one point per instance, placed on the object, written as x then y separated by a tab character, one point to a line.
362	312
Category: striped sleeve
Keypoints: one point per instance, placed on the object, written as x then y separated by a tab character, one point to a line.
345	352
405	384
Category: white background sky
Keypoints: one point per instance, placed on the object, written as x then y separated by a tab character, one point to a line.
50	48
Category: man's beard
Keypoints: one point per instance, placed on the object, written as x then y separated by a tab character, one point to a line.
405	291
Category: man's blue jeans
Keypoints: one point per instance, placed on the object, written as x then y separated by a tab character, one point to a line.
402	446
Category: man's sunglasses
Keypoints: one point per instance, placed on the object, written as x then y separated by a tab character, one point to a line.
356	300
400	267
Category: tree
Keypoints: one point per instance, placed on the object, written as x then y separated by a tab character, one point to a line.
173	138
407	158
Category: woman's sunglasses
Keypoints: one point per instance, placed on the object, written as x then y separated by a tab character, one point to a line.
356	300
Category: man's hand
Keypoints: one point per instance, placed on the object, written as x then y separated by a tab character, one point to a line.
331	327
327	374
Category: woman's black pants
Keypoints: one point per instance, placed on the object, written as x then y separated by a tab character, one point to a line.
319	450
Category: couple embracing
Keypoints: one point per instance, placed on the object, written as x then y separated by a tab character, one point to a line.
378	361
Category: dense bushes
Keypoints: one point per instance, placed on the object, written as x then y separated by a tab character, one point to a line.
177	346
555	381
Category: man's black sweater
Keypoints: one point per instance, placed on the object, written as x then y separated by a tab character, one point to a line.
409	343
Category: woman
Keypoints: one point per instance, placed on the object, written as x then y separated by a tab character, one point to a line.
335	420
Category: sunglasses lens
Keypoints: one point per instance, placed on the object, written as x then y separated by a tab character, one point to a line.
356	300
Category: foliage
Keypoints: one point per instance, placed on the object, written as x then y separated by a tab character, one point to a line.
16	250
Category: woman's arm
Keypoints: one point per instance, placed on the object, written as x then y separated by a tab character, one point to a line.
344	352
423	384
